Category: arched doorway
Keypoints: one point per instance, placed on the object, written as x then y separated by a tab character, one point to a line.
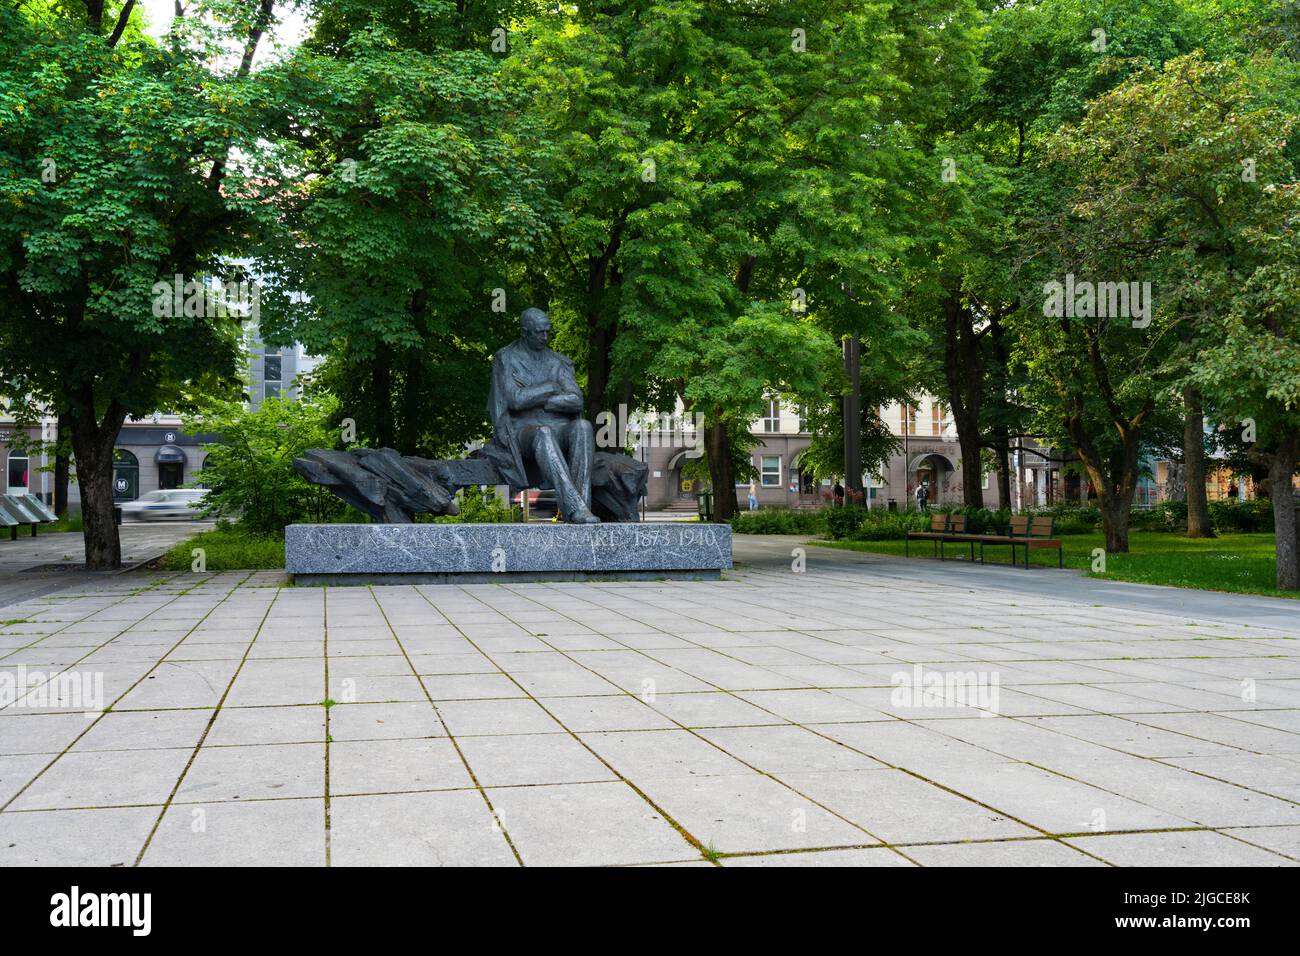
126	475
934	470
685	488
803	483
171	466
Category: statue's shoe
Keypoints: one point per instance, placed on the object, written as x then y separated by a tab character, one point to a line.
583	517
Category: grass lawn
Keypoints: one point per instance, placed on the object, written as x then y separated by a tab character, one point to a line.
69	522
1243	563
227	550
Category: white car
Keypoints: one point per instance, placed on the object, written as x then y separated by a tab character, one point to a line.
169	503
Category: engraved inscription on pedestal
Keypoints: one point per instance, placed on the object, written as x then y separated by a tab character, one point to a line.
504	549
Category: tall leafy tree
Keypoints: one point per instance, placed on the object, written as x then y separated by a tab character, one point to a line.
1043	62
115	175
732	168
1160	183
407	197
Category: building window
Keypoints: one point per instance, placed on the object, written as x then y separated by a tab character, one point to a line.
909	419
772	416
771	471
126	475
17	473
937	415
271	375
803	418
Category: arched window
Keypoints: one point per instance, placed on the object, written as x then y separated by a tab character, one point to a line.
126	475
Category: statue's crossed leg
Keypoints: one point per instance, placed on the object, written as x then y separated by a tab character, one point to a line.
564	455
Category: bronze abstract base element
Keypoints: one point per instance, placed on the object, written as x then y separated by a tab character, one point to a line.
393	488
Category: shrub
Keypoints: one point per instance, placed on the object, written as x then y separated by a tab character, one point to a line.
845	521
1243	517
781	521
981	520
878	525
1255	516
1166	516
481	507
249	471
1072	519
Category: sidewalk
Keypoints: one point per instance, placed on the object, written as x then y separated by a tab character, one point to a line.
774	718
21	561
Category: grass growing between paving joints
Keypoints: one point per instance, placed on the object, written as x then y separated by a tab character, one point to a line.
1242	563
227	549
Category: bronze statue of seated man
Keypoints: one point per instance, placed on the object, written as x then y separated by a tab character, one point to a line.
539	436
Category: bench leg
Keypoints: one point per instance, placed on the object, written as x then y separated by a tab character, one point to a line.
13	533
1026	555
940	550
972	550
1060	557
33	531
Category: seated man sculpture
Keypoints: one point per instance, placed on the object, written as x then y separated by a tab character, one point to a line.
539	439
539	436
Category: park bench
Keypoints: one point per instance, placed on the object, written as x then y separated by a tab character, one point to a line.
957	533
1032	534
938	529
18	510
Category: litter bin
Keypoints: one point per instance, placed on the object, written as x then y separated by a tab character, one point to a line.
706	505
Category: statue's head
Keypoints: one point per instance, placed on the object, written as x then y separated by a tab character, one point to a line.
535	328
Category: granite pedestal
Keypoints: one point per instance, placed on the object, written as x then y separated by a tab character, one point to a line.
469	553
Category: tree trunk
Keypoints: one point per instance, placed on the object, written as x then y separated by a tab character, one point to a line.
972	490
1198	506
62	467
963	375
1003	452
92	443
602	272
1286	533
381	395
1114	520
1116	481
852	408
718	448
599	343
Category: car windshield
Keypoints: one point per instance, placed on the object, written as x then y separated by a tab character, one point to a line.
154	496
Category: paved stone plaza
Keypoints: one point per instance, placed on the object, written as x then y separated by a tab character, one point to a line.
773	718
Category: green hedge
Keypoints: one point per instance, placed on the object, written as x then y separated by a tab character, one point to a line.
781	521
1255	515
858	523
1228	517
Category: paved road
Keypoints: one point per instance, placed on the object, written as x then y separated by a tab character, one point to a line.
141	541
